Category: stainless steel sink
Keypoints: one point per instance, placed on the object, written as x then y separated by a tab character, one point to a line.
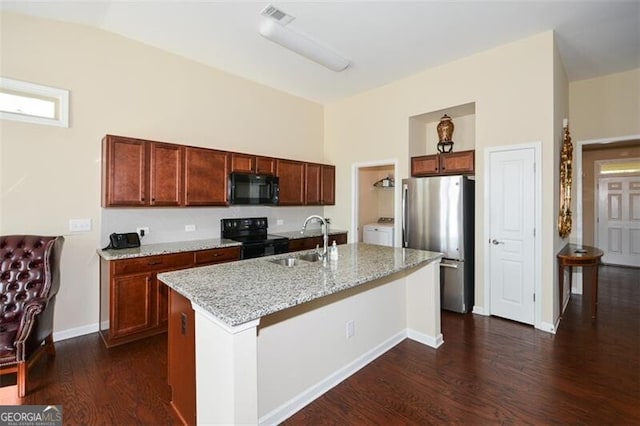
303	259
309	257
289	262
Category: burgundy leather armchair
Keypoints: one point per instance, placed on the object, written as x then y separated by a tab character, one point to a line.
29	282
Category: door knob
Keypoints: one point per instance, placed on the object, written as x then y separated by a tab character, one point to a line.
496	242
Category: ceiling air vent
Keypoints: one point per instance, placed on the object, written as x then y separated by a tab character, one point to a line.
277	15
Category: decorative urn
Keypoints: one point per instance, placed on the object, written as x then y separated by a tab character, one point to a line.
445	132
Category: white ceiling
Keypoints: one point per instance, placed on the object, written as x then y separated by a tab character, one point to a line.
384	40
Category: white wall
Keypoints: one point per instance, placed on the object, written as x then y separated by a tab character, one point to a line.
49	175
167	224
512	88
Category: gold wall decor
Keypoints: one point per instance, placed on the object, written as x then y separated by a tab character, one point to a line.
566	160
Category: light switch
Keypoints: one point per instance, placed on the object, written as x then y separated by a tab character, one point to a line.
79	225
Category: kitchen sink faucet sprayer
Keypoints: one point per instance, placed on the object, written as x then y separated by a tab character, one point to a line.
325	233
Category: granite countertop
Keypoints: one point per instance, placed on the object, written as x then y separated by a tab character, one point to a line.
240	292
211	243
295	235
166	248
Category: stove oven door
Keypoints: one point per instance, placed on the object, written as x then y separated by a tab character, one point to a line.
254	249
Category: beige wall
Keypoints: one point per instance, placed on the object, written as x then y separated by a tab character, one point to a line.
512	87
49	175
602	108
589	181
605	107
560	112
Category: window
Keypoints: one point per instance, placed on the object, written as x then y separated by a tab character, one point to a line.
33	103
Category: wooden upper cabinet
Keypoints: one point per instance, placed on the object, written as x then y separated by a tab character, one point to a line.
206	177
313	184
167	171
266	165
143	173
328	186
124	172
319	184
243	163
425	165
291	174
462	162
247	163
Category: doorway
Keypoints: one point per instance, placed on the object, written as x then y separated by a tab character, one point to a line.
374	195
512	192
618	215
586	154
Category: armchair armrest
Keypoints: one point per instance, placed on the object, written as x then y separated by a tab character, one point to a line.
27	322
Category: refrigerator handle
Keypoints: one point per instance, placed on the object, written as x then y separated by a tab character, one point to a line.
405	191
449	265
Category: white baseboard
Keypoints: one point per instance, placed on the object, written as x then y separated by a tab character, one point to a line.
75	332
434	342
479	310
294	405
548	327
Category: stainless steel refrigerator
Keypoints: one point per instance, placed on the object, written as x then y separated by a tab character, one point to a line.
438	215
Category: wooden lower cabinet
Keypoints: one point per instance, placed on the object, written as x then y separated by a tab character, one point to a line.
181	357
133	303
299	244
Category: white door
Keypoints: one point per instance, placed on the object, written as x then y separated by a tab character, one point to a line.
511	244
619	220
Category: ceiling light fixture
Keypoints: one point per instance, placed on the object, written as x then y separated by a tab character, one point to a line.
302	45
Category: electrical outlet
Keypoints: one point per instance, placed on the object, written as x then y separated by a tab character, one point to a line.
189	228
351	329
279	222
143	231
79	225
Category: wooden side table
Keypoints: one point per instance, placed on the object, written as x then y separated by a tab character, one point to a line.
580	256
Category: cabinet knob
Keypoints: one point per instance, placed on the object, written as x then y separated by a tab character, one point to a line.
159	262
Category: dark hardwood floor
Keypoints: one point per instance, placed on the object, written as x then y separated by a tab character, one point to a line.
488	371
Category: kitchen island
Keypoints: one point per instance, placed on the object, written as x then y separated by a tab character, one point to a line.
270	338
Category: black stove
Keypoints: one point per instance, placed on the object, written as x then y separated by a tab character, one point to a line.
252	233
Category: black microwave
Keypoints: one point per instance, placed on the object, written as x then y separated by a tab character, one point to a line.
246	188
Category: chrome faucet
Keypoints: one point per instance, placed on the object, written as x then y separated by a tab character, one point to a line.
325	234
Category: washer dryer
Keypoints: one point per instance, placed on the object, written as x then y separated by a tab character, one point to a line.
378	233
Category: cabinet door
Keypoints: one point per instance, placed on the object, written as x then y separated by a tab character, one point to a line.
312	185
124	172
266	165
206	180
291	175
243	163
338	238
215	256
462	162
426	165
328	186
181	357
166	167
162	303
131	301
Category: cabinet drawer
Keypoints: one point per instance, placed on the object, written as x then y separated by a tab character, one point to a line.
209	257
157	263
